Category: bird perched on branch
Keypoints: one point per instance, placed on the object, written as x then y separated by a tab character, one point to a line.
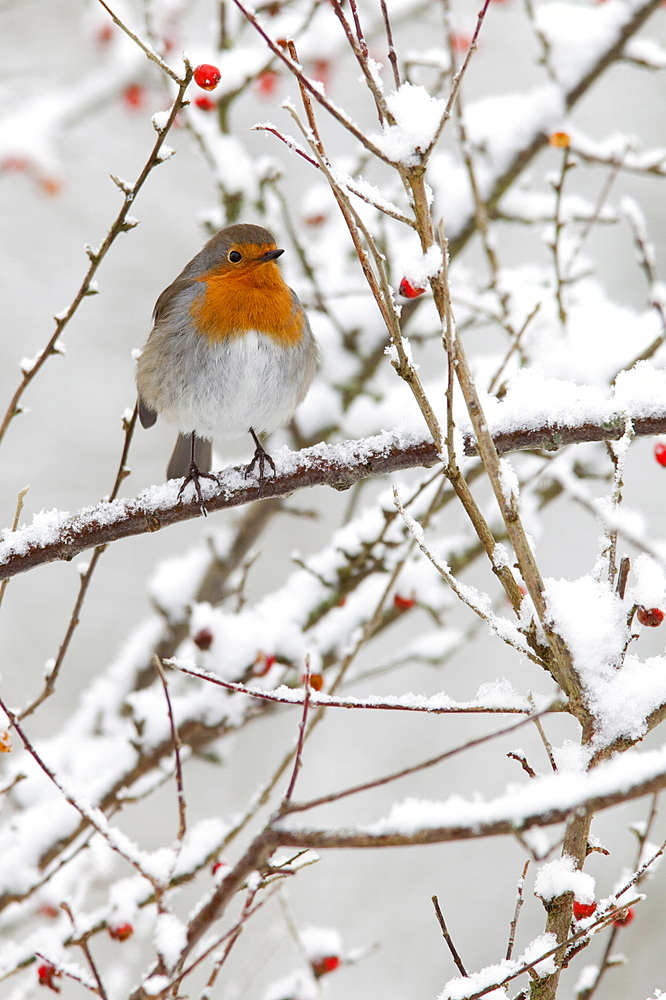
230	351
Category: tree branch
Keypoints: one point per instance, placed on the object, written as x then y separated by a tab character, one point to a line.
59	537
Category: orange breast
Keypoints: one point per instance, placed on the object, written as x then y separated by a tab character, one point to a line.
254	297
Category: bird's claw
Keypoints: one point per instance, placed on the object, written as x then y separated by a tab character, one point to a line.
262	459
194	475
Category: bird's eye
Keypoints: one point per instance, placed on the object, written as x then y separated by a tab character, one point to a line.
235	256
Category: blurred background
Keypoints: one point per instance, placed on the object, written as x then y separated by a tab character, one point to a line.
67	442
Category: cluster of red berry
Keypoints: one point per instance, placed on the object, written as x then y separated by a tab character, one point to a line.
582	910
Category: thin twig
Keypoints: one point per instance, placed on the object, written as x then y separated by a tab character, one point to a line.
622	577
319	699
298	756
392	55
464	594
314	90
82	942
91	816
408	771
84	582
15	523
516	912
447	937
122	223
359	47
556	242
544	739
150	52
182	803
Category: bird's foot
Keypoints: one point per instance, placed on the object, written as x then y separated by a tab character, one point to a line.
194	475
261	458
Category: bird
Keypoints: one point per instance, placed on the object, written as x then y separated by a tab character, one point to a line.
230	352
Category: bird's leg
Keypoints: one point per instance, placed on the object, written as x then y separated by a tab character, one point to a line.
260	458
194	475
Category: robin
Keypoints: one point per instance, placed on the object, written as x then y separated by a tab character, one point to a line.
230	351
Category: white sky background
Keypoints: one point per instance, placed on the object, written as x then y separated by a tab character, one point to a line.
67	447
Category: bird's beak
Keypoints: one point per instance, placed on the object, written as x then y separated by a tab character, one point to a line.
271	255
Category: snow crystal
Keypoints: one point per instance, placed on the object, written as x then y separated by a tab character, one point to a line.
570	756
418	267
561	875
176	580
155	985
505	123
520	802
199	843
321	941
647	51
466	986
592	620
578	35
540	945
586	979
44	530
125	896
508	481
641	390
170	938
160	120
297	986
622	694
417	116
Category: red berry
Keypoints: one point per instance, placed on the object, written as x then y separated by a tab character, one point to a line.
403	603
560	140
46	973
581	910
50	185
207	77
204	103
660	452
327	963
262	664
410	291
316	681
622	919
460	42
133	96
203	638
321	71
14	163
105	34
266	83
218	866
651	617
120	932
48	910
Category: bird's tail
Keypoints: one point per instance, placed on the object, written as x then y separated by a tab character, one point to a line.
179	464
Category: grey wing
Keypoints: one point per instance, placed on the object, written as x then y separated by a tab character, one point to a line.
146	415
170	295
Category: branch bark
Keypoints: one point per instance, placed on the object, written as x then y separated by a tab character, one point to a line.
339	466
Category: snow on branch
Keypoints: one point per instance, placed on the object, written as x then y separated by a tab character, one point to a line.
539	802
55	535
